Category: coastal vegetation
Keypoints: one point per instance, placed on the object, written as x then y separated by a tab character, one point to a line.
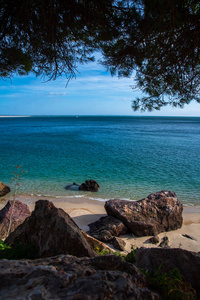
170	285
16	178
17	252
157	41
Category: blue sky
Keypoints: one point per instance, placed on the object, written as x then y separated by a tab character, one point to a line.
93	92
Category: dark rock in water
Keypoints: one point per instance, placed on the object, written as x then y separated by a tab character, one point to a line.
106	228
19	212
4	189
89	185
158	212
168	259
52	231
153	240
118	243
72	187
67	277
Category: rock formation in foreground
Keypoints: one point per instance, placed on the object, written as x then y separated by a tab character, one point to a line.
52	231
4	189
19	212
68	277
187	262
89	185
158	212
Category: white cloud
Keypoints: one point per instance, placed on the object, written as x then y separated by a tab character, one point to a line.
56	94
92	85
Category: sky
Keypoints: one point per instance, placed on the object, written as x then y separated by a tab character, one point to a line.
93	92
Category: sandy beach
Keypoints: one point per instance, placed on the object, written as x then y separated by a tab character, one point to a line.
85	211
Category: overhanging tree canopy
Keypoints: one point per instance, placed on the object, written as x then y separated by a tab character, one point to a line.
159	39
49	37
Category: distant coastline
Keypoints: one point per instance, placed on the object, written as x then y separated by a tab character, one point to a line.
15	116
98	116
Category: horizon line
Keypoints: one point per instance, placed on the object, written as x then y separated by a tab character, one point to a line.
140	116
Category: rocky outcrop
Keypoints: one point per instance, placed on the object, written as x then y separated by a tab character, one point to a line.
67	277
118	243
52	231
153	240
165	242
4	189
89	185
187	262
158	212
96	244
15	212
106	228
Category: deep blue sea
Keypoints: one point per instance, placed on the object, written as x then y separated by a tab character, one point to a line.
130	157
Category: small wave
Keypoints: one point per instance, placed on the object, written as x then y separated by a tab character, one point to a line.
128	199
83	196
191	205
106	199
97	199
79	196
64	196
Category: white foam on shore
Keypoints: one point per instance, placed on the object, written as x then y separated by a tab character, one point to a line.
79	196
97	199
59	197
34	197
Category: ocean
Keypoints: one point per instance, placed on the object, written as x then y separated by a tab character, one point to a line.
129	157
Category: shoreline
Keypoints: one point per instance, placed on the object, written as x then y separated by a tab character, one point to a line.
85	210
32	198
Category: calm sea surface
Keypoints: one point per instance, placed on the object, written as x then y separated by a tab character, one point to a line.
130	157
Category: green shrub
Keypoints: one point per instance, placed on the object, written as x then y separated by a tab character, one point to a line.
130	257
171	285
107	252
102	252
3	246
17	252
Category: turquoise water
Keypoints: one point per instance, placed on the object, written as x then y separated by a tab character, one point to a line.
130	157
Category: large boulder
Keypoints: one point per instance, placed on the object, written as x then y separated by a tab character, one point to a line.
106	228
89	185
15	212
4	189
158	212
72	278
168	259
52	231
